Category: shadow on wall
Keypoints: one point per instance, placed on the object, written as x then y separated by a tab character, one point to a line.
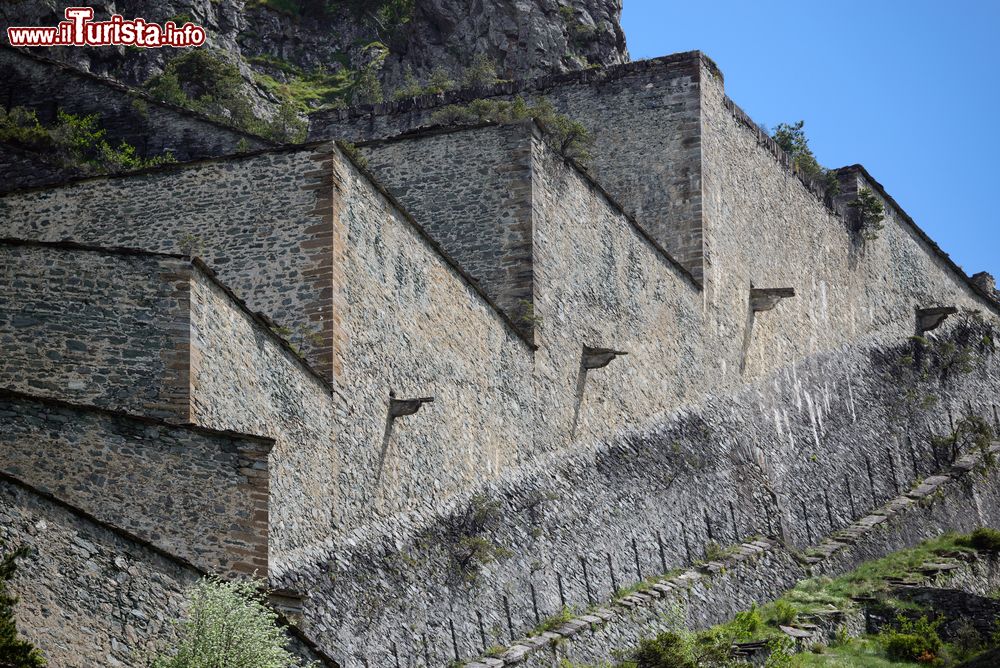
800	455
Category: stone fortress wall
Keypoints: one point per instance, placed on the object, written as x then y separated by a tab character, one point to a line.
92	593
199	494
714	426
123	330
644	117
801	454
381	292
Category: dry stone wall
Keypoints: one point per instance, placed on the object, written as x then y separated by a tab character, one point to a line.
759	571
472	505
198	494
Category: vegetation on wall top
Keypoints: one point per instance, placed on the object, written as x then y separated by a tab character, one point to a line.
76	142
791	137
205	82
912	639
869	214
571	138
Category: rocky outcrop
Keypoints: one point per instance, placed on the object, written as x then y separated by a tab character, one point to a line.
286	38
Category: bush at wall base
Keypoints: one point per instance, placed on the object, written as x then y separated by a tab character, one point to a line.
228	624
14	652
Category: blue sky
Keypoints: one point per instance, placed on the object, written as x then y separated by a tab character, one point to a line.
908	88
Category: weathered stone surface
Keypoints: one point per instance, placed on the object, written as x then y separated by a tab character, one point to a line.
157	336
645	118
438	34
29	79
200	495
716	426
91	595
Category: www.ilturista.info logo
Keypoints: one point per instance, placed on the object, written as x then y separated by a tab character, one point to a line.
80	30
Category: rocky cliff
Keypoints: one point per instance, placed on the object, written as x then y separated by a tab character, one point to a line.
308	54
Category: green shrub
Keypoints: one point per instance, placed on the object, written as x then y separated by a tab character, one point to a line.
21	127
228	624
869	214
579	33
367	87
465	537
482	72
782	649
914	640
411	86
553	622
14	651
77	142
959	349
747	625
984	540
355	154
438	82
682	649
972	434
792	139
207	83
784	612
714	551
666	650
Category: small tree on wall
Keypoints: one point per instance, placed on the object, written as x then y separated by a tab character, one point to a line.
791	137
14	651
869	213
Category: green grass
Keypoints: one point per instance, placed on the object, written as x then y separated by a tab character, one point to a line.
816	594
308	92
823	594
861	653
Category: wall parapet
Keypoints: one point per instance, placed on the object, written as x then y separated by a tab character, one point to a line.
859	171
507	88
840	204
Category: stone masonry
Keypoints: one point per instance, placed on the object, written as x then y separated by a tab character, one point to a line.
439	387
